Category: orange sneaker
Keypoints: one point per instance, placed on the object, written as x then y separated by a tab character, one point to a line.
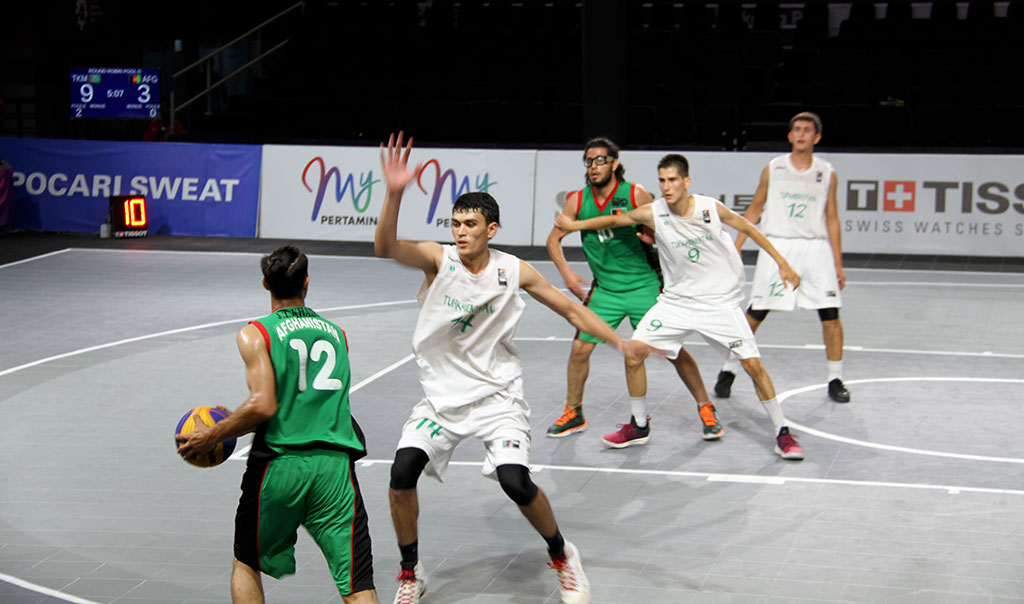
571	422
712	431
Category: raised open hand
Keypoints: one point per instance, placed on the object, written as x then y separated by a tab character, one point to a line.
395	165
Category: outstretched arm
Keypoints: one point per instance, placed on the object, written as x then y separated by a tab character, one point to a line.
643	215
744	226
581	317
835	237
554	244
424	255
644	198
753	213
258	408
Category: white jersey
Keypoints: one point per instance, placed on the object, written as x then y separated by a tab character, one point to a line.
698	258
463	337
795	206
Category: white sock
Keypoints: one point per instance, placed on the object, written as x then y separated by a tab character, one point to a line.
637	406
774	411
732	364
835	370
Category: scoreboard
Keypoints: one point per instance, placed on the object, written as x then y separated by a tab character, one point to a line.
115	92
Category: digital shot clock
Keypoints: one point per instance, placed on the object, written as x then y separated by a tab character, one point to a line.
128	216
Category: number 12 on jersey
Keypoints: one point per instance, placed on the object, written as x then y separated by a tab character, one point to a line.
322	381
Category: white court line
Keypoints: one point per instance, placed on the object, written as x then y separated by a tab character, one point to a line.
926	271
782	396
212	253
46	591
740	478
243	453
103	250
902	271
933	284
958	353
183	330
67	249
893	270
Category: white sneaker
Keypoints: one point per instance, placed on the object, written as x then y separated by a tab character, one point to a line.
412	584
573	583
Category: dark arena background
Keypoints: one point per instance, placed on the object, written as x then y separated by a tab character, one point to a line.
153	151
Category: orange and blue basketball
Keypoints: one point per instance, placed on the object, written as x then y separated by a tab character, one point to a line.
209	416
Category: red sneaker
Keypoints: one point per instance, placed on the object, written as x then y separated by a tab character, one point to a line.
786	446
628	435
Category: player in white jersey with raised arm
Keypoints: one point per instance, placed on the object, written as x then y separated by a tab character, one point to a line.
796	203
470	370
703	282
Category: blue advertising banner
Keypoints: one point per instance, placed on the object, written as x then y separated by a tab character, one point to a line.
190	189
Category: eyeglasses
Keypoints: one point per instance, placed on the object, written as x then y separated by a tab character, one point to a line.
599	160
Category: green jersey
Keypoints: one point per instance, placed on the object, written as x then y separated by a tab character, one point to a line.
310	358
617	257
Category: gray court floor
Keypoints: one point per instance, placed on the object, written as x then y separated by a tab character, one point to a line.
912	493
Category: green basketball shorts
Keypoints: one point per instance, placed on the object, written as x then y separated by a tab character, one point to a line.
613	307
316	489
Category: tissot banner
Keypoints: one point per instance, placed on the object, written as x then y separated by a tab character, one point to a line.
970	205
336	193
888	204
190	189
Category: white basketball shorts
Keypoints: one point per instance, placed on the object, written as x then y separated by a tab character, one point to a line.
501	421
670	321
812	260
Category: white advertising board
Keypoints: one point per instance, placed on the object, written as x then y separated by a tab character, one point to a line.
888	204
336	193
558	174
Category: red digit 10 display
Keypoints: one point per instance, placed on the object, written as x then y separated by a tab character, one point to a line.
128	216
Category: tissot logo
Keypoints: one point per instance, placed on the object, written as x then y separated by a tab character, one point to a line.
897	195
944	196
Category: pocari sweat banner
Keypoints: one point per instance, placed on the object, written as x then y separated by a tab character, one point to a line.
190	189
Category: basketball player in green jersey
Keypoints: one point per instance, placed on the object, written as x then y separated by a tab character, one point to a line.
301	467
626	284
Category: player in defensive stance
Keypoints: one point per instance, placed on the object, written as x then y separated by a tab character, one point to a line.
301	469
470	370
703	281
796	203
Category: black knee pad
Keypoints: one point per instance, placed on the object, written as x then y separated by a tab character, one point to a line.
515	481
407	467
828	314
759	315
